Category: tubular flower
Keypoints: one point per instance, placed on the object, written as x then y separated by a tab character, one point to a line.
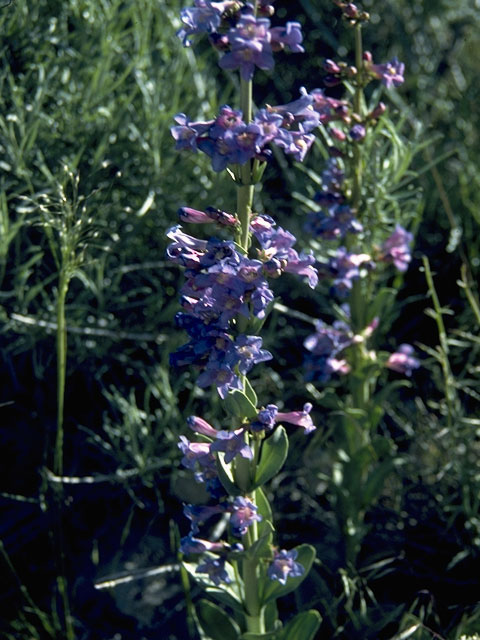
284	566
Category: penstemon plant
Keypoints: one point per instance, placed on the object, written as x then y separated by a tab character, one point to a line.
225	301
358	225
227	298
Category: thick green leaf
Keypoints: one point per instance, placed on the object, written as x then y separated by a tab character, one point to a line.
239	405
215	622
273	589
373	487
250	393
303	626
264	510
261	548
226	478
269	635
271	616
272	458
226	598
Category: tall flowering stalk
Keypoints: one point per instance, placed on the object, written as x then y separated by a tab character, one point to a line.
225	300
367	246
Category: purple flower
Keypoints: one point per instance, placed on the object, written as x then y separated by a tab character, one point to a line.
299	418
195	453
301	143
189	544
346	267
185	250
265	419
270	124
395	248
402	361
199	514
248	352
329	109
284	566
300	112
220	374
335	224
303	106
290	35
250	47
244	514
325	345
222	150
390	73
204	17
227	119
215	568
302	265
357	132
186	214
199	425
232	443
186	132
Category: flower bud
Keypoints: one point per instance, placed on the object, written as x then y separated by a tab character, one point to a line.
337	134
331	81
331	66
357	132
266	10
379	110
351	10
219	41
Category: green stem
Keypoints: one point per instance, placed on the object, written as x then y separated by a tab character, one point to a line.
245	469
63	282
442	334
61	368
254	610
357	301
357	107
245	188
355	433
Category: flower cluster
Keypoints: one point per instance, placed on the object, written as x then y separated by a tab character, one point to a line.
328	343
325	347
345	267
223	284
403	361
228	140
396	248
335	218
277	253
245	40
200	457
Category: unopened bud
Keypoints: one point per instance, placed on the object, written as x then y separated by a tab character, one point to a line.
357	132
351	10
219	41
379	110
331	66
367	56
331	81
266	10
338	134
